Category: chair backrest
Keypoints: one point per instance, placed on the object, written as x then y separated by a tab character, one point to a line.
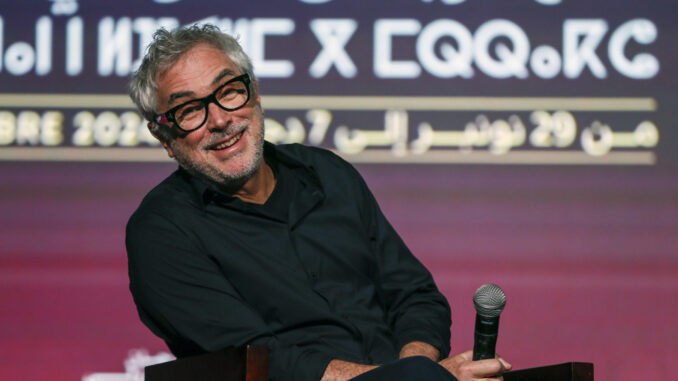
248	363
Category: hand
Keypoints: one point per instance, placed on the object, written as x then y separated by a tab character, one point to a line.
419	348
464	368
339	370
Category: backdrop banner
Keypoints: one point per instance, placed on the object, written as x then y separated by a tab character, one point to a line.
411	81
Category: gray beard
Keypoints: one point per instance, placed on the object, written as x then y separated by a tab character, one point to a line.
227	183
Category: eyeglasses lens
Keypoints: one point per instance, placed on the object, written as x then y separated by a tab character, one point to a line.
231	96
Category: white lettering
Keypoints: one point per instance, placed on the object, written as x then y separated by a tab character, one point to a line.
74	38
456	62
28	128
545	62
260	28
384	65
643	65
320	123
580	52
64	7
19	58
646	134
597	139
43	45
333	36
115	46
511	62
51	128
107	127
7	128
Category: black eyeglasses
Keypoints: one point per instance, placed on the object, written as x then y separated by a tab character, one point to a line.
191	115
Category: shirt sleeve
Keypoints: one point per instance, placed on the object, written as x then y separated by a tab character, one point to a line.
183	297
417	311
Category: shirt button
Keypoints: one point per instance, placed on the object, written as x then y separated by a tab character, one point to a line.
314	276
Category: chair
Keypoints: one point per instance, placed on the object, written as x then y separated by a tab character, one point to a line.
570	371
250	363
247	363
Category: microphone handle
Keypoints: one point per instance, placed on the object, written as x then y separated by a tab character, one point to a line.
485	340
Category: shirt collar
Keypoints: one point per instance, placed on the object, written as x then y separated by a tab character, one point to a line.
206	193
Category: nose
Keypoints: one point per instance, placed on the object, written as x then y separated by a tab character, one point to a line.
217	118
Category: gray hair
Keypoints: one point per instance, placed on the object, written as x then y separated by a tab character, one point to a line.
166	49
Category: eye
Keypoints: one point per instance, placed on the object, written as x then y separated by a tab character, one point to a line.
189	111
231	90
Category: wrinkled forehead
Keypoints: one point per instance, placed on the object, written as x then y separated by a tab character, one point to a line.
196	71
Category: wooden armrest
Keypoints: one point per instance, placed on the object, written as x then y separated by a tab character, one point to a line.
570	371
248	363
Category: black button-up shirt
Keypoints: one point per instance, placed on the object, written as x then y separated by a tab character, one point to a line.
331	280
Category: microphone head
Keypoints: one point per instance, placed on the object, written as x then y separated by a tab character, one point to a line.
489	300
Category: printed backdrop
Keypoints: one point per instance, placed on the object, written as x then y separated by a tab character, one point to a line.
528	143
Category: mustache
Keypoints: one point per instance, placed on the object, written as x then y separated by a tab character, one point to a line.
220	134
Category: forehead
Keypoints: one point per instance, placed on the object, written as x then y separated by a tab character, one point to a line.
194	72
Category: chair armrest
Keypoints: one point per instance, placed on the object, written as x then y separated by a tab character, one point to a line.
247	363
570	371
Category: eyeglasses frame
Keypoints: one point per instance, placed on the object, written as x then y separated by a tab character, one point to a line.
168	116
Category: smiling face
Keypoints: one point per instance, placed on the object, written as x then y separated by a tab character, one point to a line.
228	149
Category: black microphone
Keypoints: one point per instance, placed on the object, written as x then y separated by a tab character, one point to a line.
489	301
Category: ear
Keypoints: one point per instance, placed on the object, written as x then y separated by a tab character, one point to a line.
153	128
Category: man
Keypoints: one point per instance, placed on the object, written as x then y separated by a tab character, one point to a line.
249	243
